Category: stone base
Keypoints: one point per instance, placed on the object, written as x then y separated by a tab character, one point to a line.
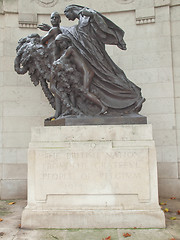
92	177
98	120
93	219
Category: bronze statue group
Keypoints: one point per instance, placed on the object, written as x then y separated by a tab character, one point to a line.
76	73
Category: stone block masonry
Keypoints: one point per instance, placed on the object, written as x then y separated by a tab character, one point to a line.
92	177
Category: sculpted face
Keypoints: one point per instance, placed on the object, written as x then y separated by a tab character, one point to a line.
62	41
55	19
61	44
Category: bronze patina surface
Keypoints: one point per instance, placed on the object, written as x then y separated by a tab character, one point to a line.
76	74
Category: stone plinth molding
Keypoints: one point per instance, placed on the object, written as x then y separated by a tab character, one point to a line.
92	177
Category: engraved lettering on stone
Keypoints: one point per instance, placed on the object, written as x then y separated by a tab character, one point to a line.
76	162
78	172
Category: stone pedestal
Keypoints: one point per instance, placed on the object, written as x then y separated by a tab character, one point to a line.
92	177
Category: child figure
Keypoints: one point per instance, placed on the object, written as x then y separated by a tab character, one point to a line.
69	53
49	38
55	30
49	41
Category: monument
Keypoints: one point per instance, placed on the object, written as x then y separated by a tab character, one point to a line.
93	165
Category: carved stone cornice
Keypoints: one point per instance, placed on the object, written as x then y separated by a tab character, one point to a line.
28	20
145	20
145	12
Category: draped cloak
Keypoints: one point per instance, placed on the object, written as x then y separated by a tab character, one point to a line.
110	83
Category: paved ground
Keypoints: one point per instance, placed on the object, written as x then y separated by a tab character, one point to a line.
10	215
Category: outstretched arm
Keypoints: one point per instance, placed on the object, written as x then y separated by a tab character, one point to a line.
44	27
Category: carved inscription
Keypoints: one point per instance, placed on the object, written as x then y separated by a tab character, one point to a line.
92	172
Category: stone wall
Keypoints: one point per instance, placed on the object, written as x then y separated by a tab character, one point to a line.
151	61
